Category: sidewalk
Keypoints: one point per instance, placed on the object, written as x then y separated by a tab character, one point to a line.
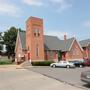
22	79
10	66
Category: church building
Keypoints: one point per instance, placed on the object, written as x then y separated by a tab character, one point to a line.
33	45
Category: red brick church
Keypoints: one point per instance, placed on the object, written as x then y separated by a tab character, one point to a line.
33	45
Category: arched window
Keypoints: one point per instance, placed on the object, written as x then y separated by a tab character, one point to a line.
37	32
28	48
37	50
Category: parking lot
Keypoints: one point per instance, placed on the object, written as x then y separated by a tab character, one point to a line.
69	76
18	78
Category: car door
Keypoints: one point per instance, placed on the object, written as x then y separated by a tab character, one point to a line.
59	64
63	64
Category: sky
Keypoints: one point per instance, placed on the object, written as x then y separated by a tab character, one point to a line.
70	17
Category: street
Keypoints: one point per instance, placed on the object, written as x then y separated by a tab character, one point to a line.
70	76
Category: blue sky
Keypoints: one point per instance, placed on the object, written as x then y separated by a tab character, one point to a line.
71	17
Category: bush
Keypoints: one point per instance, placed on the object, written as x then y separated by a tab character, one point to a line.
5	62
42	63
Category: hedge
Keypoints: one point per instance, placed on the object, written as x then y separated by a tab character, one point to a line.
5	62
42	63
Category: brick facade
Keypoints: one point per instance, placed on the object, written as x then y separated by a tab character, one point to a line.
35	49
86	52
75	52
35	39
51	55
89	51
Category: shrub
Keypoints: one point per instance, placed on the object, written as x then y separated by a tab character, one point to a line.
42	63
4	62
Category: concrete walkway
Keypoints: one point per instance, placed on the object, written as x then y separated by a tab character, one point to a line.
10	66
17	78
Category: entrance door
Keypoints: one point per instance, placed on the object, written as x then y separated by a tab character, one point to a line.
29	56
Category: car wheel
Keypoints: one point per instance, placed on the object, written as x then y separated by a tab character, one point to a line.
67	66
80	66
54	66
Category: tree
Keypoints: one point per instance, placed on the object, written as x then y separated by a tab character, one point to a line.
1	42
1	47
10	40
0	35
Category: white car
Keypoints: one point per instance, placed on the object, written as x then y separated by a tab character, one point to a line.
66	64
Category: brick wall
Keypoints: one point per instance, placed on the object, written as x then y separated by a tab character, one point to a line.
88	49
35	38
51	55
75	52
86	52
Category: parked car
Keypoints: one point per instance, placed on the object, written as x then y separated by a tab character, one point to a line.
78	63
87	62
85	76
63	64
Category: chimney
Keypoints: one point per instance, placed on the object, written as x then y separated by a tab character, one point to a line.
65	37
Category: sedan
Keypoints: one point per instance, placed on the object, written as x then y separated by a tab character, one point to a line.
63	64
85	76
78	63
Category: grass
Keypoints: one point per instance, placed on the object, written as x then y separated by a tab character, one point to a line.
5	61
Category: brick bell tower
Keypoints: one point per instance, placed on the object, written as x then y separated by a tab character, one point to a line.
35	39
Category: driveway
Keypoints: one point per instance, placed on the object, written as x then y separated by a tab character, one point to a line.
69	76
13	78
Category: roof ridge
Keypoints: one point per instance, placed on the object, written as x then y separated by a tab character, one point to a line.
51	35
71	38
85	39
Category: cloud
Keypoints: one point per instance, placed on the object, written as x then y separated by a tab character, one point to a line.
62	5
58	5
8	8
33	2
86	24
57	33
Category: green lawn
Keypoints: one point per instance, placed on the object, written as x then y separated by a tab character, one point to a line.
5	61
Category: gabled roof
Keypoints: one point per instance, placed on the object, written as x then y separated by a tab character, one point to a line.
84	43
67	44
50	42
54	43
22	35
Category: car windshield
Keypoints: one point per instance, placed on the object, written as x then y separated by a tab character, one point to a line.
72	61
63	62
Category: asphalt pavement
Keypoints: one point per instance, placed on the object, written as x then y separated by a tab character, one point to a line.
70	76
18	78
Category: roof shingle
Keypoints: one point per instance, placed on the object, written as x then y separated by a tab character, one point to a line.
84	43
22	35
50	42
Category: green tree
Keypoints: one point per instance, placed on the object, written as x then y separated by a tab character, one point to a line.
10	40
0	35
1	42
